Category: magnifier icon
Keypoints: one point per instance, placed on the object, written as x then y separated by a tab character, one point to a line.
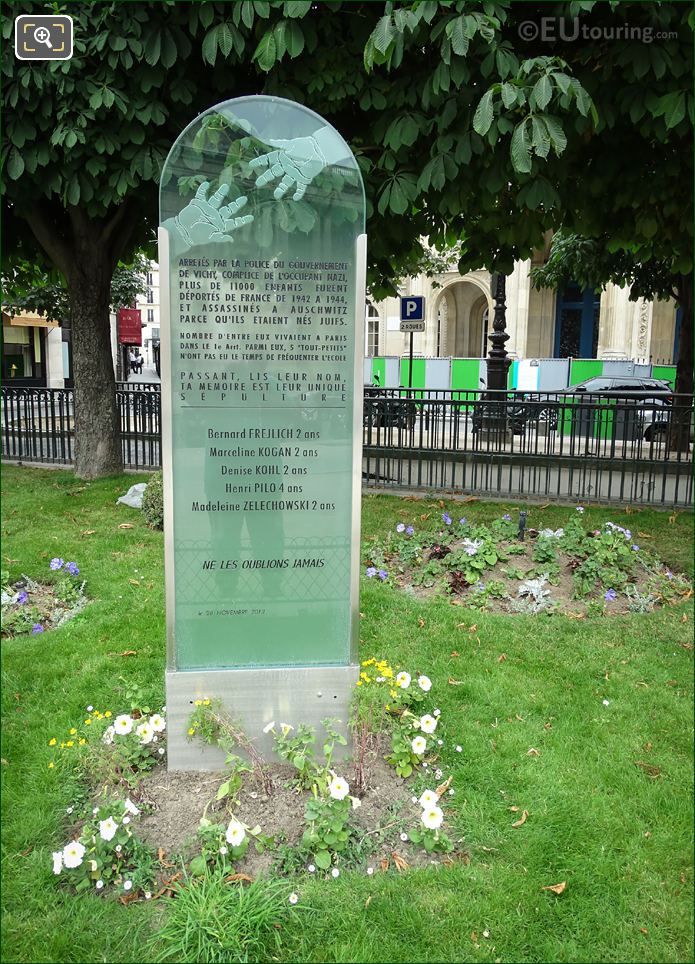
42	35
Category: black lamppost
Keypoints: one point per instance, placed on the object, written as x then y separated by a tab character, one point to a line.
498	361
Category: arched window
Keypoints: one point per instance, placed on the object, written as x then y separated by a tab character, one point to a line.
372	339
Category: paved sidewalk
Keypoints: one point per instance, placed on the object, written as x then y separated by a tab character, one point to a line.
148	374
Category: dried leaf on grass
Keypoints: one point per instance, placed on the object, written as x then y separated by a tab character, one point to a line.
400	862
455	682
556	888
239	878
522	819
367	902
443	787
532	752
126	652
454	653
134	582
502	657
89	532
473	628
421	622
126	525
651	771
384	864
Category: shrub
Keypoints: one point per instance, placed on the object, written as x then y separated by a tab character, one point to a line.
153	502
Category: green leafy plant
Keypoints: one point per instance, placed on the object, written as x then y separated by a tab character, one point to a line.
212	724
153	502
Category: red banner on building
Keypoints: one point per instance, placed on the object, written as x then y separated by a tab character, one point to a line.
129	326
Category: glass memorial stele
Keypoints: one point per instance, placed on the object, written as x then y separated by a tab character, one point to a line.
262	260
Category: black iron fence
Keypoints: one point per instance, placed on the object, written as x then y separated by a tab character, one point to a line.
610	447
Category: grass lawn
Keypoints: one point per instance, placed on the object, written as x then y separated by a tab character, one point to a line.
620	838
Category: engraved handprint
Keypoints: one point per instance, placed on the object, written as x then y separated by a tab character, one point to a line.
296	162
207	220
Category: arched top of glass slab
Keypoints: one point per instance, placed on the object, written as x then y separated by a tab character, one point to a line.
255	166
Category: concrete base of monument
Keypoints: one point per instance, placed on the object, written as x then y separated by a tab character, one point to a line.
255	697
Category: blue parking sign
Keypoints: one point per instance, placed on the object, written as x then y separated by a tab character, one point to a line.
413	308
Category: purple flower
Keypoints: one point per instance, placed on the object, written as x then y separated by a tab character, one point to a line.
383	575
480	586
462	521
22	597
580	508
506	517
635	548
610	595
446	518
38	628
409	531
669	574
400	527
471	551
56	563
370	572
72	568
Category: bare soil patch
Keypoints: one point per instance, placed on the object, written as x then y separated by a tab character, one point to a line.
387	810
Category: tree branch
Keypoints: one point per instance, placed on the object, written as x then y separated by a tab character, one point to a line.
55	247
121	233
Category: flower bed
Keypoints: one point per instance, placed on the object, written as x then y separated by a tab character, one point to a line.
30	607
505	567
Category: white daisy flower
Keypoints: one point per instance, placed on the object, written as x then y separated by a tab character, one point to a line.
269	726
224	851
425	683
459	749
419	745
432	818
403	680
118	848
451	792
293	898
107	736
68	810
89	709
99	885
438	774
440	742
130	807
606	702
127	884
311	869
57	861
148	895
123	724
335	872
145	732
95	811
338	788
161	751
370	871
235	834
73	854
107	828
164	709
428	799
404	837
428	724
436	712
157	723
126	820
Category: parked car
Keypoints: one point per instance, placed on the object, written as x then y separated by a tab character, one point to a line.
657	395
521	409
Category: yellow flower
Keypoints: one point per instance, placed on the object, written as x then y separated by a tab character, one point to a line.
82	741
394	693
72	731
87	722
97	714
359	682
51	765
62	746
107	713
70	743
191	730
52	742
206	702
198	703
387	672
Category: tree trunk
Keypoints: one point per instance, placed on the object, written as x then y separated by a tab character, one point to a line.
684	370
97	436
679	435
